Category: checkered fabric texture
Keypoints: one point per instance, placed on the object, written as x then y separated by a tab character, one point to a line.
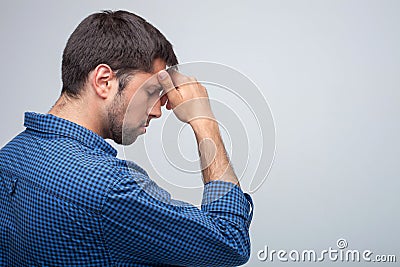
67	200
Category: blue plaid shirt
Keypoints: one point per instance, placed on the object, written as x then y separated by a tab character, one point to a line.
67	200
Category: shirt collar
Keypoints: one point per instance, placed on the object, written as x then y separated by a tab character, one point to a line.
49	123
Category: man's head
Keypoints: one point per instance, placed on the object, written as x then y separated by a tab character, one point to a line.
106	59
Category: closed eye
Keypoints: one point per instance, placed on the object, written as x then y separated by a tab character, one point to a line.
155	91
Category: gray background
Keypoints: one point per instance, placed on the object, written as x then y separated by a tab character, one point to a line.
330	71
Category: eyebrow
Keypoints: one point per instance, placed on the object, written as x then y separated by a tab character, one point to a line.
156	86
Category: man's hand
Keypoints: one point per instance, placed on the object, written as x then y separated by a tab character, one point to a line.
186	97
189	101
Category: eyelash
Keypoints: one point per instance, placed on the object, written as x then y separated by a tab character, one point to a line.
157	91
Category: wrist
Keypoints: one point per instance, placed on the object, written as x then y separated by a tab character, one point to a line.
204	126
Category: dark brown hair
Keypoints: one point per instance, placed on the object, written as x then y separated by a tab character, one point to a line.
120	39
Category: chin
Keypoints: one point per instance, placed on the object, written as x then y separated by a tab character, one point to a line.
128	141
128	137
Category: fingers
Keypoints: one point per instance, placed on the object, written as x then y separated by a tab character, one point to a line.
180	79
166	82
163	99
168	106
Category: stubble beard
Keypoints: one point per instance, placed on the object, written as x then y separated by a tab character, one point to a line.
116	115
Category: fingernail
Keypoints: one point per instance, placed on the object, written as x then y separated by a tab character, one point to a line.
162	74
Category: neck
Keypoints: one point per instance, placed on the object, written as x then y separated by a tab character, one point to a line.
79	111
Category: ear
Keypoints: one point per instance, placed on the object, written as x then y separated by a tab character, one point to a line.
103	77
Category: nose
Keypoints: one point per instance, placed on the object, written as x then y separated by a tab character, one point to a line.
155	109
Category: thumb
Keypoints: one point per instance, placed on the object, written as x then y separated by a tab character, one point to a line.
169	88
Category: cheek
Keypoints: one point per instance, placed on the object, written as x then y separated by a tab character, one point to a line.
136	108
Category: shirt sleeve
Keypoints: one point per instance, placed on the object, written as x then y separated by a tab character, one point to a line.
142	224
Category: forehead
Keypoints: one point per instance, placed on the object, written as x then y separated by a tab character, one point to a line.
151	79
158	65
145	80
151	82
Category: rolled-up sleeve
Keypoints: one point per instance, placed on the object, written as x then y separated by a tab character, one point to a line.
141	224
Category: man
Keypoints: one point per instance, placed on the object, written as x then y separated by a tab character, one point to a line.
67	200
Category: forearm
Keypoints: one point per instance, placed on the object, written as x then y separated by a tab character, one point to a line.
214	159
190	102
216	235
